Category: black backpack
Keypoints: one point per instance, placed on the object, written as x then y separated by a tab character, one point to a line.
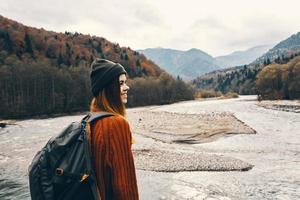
63	170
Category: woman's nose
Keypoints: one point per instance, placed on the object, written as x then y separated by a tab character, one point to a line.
125	87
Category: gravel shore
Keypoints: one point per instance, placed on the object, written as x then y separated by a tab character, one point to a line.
163	140
174	161
282	105
186	128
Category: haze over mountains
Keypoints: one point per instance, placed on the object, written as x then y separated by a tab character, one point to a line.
194	62
238	58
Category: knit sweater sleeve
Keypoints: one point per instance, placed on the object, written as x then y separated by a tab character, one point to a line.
124	183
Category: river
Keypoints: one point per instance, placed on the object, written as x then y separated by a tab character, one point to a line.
274	151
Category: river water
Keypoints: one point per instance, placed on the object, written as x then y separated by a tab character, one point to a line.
274	151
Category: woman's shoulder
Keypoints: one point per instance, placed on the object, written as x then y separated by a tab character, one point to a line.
117	126
119	119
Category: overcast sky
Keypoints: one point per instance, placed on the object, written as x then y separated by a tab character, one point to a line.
217	27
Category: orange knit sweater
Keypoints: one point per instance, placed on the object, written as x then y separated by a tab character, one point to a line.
113	159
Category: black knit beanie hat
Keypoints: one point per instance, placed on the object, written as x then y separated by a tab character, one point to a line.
102	73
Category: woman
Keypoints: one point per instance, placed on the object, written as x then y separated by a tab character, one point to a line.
111	136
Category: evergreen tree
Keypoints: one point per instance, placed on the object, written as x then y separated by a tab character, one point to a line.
68	54
28	45
8	45
60	59
138	63
126	57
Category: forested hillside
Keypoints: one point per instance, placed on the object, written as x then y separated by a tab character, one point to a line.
283	50
237	79
67	49
242	79
44	72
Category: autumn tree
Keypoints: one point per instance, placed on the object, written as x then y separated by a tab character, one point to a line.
277	81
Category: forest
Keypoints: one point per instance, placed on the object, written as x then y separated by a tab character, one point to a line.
36	89
162	90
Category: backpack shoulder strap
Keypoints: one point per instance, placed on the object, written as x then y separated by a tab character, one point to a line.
92	116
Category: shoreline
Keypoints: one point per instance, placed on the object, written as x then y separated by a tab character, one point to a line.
268	104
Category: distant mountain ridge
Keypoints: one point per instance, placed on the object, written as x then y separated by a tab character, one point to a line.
239	58
186	64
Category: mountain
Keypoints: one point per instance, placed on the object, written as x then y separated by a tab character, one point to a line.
67	49
282	50
239	58
186	64
242	79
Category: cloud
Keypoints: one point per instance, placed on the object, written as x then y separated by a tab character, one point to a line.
209	23
219	35
261	29
148	15
207	34
40	13
218	27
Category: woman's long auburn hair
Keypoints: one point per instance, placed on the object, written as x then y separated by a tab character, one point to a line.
109	100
